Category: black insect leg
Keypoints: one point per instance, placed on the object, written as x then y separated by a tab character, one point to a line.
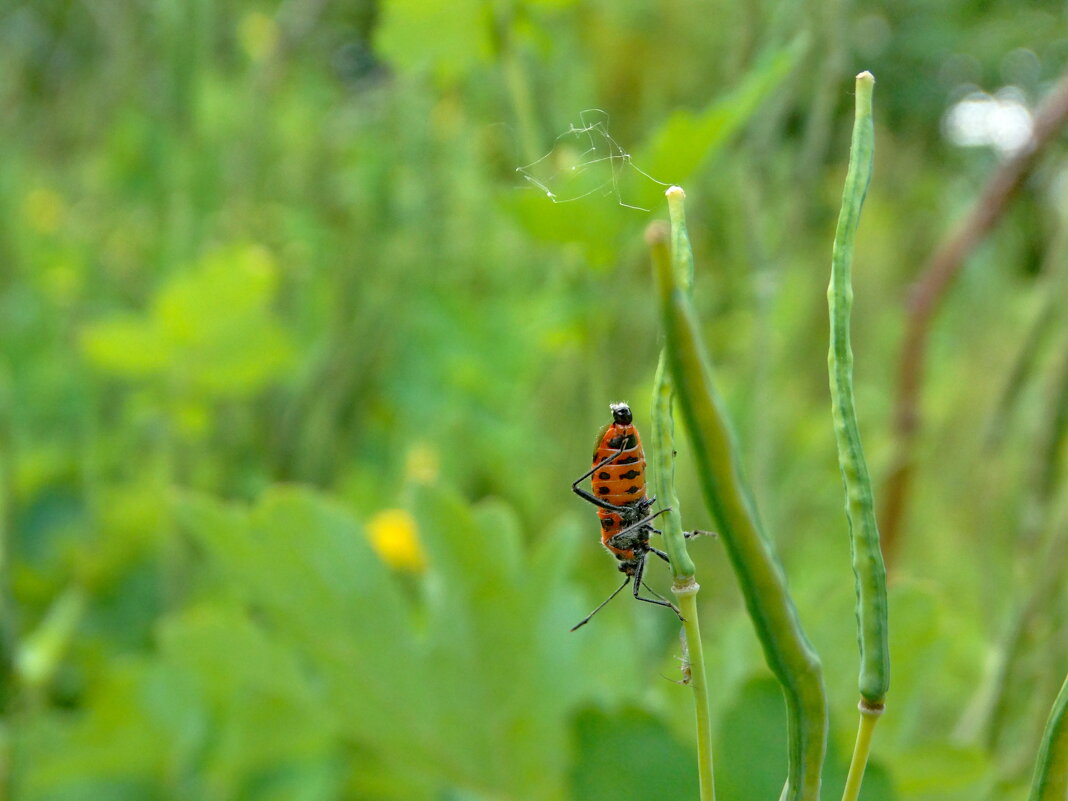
586	619
654	592
691	534
637	586
686	534
589	496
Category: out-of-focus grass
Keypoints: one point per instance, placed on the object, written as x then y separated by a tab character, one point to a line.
245	244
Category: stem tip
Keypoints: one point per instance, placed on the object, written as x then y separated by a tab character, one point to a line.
657	233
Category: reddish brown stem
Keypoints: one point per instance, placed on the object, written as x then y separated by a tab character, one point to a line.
927	294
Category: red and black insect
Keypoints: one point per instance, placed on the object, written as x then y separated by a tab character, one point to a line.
618	479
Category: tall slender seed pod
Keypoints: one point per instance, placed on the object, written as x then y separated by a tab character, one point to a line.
868	568
1050	782
662	439
860	508
786	649
662	447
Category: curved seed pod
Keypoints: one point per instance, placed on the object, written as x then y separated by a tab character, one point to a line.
662	448
786	650
662	433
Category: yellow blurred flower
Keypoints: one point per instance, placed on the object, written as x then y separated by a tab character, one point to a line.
421	464
395	538
44	210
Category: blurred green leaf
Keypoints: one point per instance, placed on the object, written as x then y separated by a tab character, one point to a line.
686	141
751	743
594	210
263	712
629	756
388	679
113	743
940	772
210	330
127	346
481	604
449	38
305	564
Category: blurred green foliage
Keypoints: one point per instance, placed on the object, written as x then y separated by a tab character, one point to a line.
268	271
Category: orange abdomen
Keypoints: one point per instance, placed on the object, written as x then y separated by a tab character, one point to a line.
621	482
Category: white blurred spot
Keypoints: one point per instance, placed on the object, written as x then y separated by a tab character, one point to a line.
1001	121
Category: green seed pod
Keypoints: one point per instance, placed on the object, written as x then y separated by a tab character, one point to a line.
863	531
786	650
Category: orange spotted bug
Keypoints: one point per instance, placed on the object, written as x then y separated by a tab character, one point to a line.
618	479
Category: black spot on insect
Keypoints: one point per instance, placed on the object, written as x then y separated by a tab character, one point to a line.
628	460
607	523
631	490
603	490
604	476
631	474
616	441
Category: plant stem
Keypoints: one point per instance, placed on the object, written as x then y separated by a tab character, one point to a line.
687	595
662	443
868	718
1050	782
787	651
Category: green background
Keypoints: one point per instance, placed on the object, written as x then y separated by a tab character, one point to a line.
269	269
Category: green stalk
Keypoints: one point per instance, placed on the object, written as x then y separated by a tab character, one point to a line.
662	442
868	566
868	718
1050	782
686	592
770	607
